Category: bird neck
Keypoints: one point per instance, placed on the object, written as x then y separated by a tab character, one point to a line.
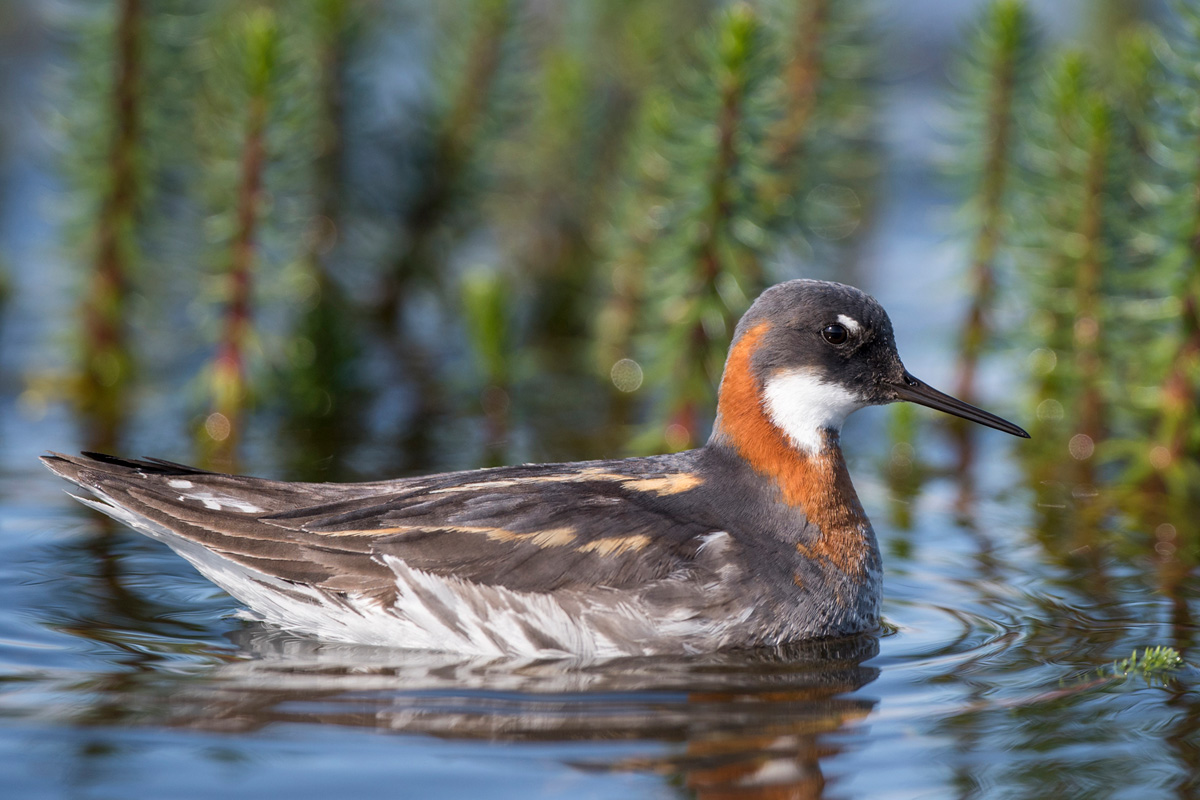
813	480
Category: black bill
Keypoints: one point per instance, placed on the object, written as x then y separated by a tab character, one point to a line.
921	393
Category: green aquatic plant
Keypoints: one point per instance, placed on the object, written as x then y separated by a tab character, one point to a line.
553	178
1071	204
821	154
632	215
487	313
903	467
635	221
472	66
1153	664
1174	447
1151	430
253	51
319	383
123	110
707	254
1085	184
1091	187
993	77
252	159
753	157
112	177
268	138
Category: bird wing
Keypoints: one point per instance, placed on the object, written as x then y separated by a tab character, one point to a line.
539	528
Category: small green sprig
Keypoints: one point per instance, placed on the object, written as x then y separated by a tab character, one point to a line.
1153	664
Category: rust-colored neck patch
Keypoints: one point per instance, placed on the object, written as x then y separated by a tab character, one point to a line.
818	483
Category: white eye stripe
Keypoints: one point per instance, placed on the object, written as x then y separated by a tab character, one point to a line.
850	324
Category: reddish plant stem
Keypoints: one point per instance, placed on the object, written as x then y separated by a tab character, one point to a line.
708	256
230	367
105	347
452	148
803	78
466	115
719	201
987	243
1178	414
1179	409
982	272
1087	331
1178	391
328	163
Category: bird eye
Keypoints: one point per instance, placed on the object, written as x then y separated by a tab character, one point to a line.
835	334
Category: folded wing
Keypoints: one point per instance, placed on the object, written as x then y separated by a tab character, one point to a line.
531	529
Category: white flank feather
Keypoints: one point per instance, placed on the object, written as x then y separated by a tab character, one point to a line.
434	612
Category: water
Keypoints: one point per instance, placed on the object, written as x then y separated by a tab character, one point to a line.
123	673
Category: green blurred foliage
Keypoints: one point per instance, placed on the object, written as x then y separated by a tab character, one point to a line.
993	77
1101	218
753	121
549	218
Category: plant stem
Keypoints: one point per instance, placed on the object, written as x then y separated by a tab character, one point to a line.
1088	281
710	261
802	79
106	356
453	143
1178	391
229	366
997	155
328	161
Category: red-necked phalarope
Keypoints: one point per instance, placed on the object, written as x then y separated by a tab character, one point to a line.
757	538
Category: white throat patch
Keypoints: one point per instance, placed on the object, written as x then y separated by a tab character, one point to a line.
802	405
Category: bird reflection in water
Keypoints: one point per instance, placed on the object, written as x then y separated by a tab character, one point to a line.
748	724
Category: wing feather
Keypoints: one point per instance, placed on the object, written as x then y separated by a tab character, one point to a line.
533	528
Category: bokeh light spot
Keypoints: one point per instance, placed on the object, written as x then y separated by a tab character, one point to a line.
1081	447
678	437
1165	534
1042	361
1050	410
833	212
1160	457
217	426
627	375
1087	330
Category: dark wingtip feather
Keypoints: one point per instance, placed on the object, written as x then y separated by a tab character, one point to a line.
71	467
151	465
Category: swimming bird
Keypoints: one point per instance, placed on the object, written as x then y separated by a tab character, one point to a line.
755	539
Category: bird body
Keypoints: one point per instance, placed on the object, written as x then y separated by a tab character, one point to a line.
755	539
